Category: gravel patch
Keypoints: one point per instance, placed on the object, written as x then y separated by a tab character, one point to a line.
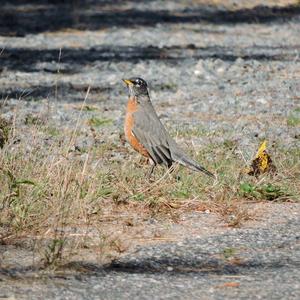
231	69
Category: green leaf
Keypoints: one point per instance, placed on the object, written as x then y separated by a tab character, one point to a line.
247	188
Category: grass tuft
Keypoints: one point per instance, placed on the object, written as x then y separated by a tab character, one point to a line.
97	122
5	129
293	119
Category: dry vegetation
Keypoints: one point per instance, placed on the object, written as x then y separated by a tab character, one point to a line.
65	199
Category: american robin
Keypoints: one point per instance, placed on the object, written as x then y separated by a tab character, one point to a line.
147	135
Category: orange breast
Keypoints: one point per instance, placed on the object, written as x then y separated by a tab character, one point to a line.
129	122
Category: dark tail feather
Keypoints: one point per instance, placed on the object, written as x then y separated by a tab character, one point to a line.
191	164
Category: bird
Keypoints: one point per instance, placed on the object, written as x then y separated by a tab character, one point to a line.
147	135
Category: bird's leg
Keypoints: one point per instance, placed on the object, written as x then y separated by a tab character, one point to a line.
150	171
152	163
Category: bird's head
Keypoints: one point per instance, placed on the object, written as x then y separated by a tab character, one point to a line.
137	86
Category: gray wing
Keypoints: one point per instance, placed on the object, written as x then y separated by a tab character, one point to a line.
149	130
151	133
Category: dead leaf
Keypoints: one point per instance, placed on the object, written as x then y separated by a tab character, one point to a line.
262	162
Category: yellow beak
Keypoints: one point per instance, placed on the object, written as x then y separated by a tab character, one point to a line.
127	81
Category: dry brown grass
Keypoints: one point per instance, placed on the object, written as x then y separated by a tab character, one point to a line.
65	200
